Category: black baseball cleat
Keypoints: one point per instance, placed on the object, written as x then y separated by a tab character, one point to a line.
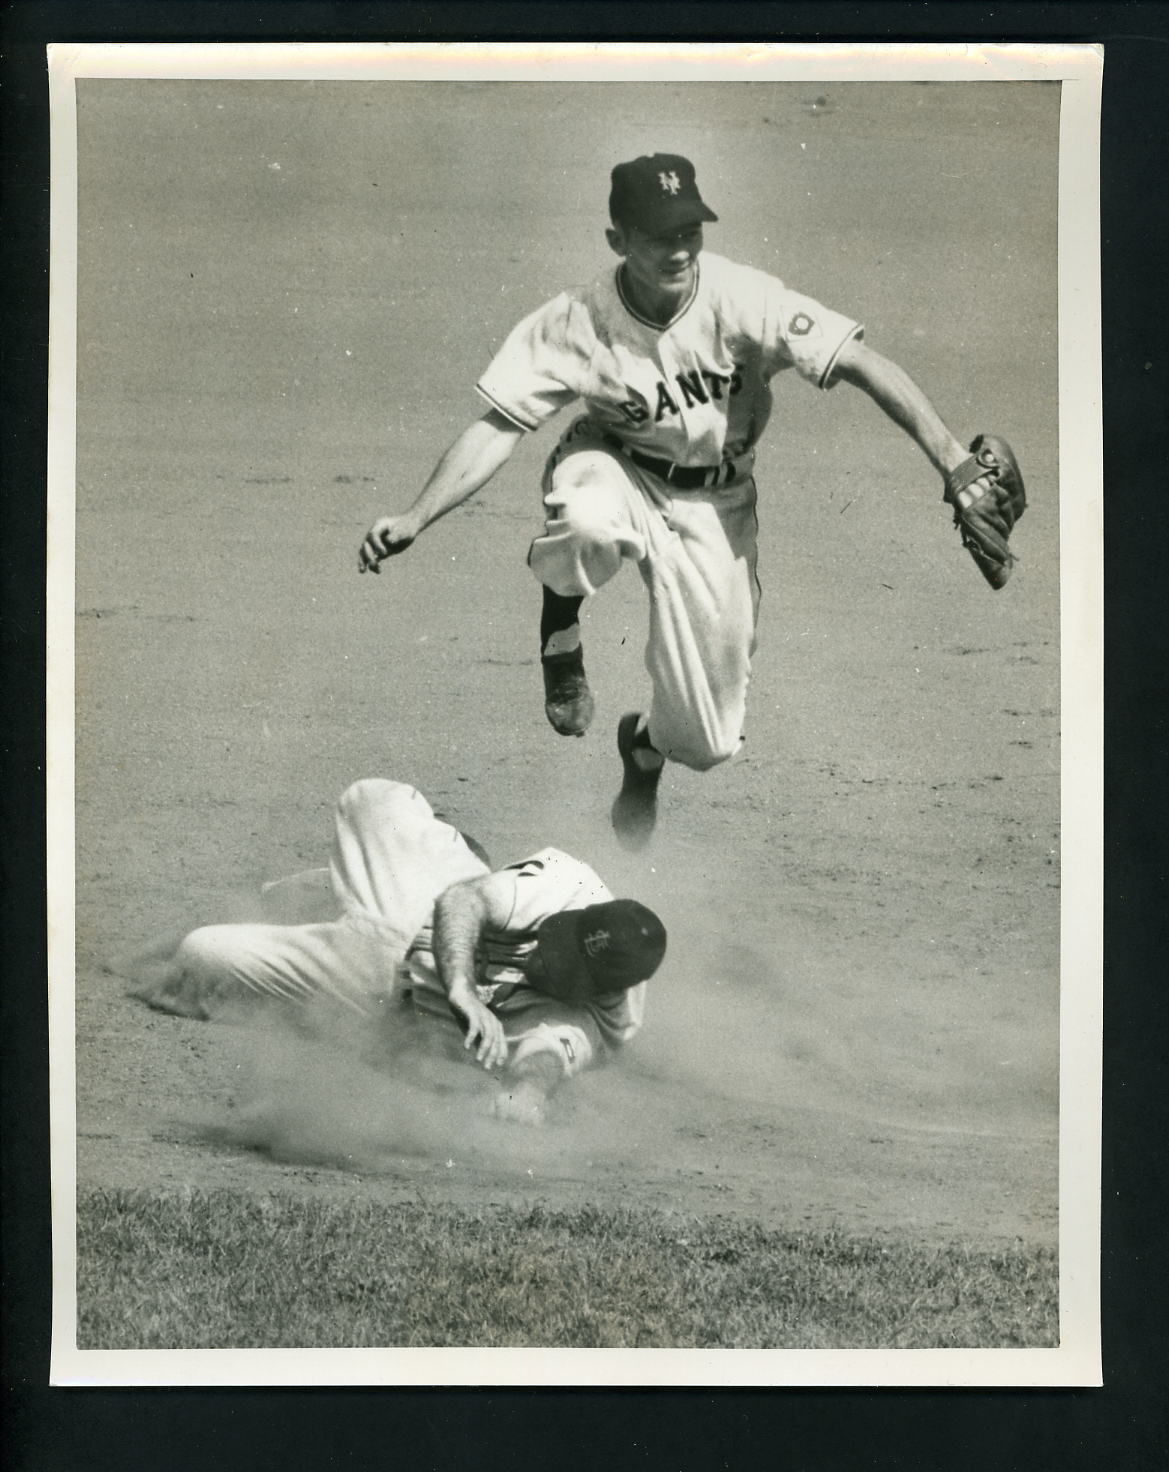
635	808
568	701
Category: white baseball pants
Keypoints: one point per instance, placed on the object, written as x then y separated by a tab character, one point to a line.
391	858
696	552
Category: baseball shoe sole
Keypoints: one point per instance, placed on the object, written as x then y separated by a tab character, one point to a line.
568	701
635	810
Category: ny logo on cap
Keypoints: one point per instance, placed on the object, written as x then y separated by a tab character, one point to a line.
597	942
670	182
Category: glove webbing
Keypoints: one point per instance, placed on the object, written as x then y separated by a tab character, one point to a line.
963	477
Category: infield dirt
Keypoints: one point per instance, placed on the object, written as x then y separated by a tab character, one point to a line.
287	291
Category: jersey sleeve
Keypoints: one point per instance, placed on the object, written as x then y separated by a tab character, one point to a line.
620	1018
548	882
802	334
542	365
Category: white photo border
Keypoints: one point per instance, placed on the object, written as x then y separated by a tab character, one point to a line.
1076	1361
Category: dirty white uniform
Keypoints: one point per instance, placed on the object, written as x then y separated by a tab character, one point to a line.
391	859
546	883
694	396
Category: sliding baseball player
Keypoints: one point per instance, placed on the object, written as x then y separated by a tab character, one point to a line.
535	969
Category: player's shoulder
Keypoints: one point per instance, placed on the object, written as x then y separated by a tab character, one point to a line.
567	319
555	868
545	860
729	280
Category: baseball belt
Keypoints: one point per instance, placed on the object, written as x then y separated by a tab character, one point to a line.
685	477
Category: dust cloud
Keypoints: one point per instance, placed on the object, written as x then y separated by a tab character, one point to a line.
746	1031
335	1092
325	1098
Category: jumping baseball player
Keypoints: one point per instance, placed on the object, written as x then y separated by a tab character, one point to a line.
672	355
536	965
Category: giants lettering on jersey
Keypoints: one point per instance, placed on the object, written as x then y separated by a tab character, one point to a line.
699	386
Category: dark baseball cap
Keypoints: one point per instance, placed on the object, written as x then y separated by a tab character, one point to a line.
602	948
657	193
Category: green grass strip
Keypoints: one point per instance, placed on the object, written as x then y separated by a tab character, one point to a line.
218	1269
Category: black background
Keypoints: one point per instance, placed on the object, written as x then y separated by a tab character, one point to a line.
1126	1424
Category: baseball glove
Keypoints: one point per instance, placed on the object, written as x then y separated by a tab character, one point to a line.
986	492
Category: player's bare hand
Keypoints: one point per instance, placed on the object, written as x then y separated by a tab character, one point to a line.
387	537
482	1030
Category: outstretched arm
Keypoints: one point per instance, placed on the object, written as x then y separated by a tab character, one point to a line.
983	484
892	390
465	468
461	914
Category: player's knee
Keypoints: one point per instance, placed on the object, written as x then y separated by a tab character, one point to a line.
203	977
587	497
591	472
209	954
590	528
377	795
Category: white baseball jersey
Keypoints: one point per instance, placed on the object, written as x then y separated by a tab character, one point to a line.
546	883
696	391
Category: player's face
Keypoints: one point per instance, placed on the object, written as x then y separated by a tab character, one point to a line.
658	267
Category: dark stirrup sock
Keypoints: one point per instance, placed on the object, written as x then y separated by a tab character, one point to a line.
557	614
641	743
